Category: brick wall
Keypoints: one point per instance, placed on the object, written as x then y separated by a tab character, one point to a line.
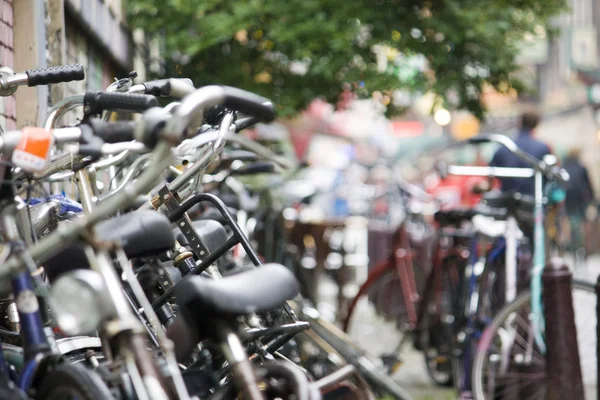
7	59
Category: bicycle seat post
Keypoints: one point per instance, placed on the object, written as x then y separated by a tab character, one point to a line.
242	371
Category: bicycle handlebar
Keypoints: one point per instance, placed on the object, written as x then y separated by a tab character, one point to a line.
112	132
160	87
496	172
10	139
9	80
97	102
166	129
62	73
551	171
248	103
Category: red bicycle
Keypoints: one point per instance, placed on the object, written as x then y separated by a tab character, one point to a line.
416	284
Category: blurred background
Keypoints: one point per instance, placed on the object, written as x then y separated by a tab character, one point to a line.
401	76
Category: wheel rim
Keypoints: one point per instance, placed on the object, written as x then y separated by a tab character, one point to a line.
509	365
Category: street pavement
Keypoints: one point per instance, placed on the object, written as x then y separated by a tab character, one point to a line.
377	336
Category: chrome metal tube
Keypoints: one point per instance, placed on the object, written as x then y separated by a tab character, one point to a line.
166	344
260	150
101	262
114	148
61	108
18	79
189	114
241	368
137	165
108	162
188	174
335	377
139	88
86	193
46	246
499	172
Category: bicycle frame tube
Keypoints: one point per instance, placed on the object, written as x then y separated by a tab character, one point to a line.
538	263
470	310
539	234
32	327
511	258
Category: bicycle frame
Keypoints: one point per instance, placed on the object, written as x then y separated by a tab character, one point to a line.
36	339
541	168
539	251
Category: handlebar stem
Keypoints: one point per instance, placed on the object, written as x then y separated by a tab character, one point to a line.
492	172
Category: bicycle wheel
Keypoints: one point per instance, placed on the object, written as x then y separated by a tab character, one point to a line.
72	381
436	323
509	365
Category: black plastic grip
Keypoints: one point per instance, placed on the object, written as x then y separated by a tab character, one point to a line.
245	123
249	103
97	102
62	73
255	168
479	140
112	132
162	87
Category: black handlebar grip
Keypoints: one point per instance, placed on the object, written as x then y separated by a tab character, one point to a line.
162	87
245	123
249	103
255	168
112	132
478	140
61	73
96	102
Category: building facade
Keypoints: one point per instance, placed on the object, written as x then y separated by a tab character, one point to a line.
41	33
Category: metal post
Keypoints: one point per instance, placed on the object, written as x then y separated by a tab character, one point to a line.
563	367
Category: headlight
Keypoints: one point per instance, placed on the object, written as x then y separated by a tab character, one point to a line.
80	302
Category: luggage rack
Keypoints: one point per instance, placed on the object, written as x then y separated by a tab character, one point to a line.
279	334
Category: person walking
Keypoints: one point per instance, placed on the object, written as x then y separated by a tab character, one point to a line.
580	194
529	144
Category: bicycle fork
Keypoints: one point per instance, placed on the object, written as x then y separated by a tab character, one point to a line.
127	330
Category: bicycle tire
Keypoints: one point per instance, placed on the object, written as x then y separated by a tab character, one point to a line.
520	303
436	337
490	295
72	381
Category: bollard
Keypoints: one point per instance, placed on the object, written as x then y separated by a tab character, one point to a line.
598	335
563	368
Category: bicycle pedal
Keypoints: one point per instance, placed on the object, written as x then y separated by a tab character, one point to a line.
391	363
441	359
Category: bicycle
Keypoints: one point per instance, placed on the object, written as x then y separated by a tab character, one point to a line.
521	317
109	313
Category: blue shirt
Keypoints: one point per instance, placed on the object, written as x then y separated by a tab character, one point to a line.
504	158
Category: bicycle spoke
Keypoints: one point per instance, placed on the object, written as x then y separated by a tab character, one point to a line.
520	386
507	375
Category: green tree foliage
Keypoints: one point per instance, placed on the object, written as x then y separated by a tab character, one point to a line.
295	50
